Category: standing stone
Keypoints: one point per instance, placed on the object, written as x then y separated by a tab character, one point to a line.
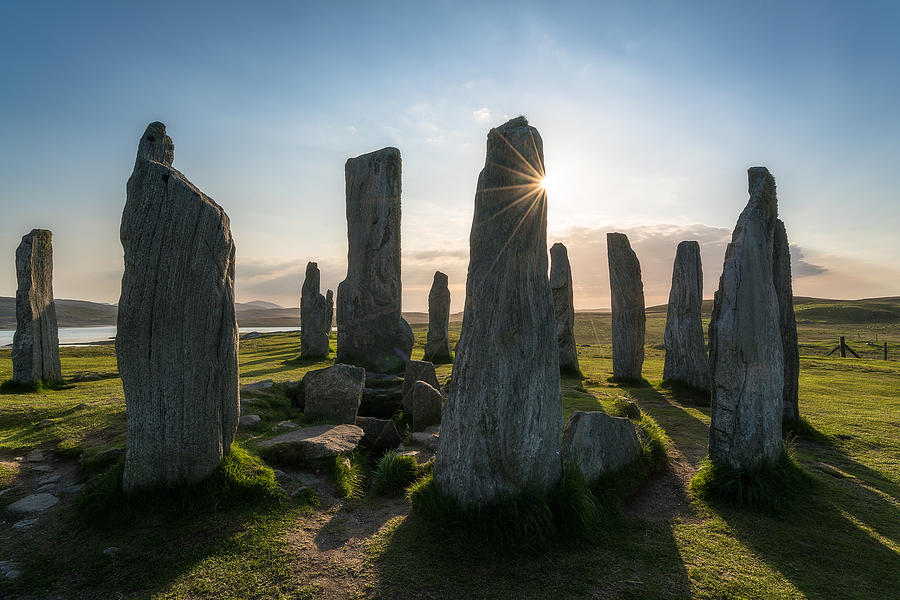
315	319
35	349
437	344
781	271
685	347
502	425
329	311
371	331
746	358
177	340
563	307
628	318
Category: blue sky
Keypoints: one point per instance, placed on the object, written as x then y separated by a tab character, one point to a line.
651	113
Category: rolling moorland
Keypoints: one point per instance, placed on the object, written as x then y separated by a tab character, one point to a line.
315	534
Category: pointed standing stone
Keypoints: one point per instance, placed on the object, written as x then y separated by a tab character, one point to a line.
781	271
746	358
685	347
502	425
35	349
627	297
315	317
371	331
329	311
437	344
563	307
177	337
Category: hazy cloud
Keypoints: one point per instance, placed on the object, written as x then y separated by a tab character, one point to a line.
802	268
482	115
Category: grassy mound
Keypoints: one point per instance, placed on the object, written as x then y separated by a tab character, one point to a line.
767	488
240	479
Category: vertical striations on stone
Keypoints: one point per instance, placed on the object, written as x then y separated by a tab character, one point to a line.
685	348
371	331
627	298
35	349
501	428
329	311
781	271
177	338
563	307
746	358
437	344
315	316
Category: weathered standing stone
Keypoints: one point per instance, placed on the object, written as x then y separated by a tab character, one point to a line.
597	443
781	271
333	393
371	331
177	338
502	425
329	311
437	344
425	406
417	370
35	349
315	318
746	358
627	297
563	307
685	347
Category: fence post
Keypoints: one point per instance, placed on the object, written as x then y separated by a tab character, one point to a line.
843	348
885	351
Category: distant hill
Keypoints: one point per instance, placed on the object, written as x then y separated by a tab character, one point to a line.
259	313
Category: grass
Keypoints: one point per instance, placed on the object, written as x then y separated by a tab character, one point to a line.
768	487
394	473
837	538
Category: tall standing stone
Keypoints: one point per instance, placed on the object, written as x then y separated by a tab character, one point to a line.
371	330
628	317
501	428
315	316
781	271
563	307
329	311
746	358
437	344
177	339
685	347
35	349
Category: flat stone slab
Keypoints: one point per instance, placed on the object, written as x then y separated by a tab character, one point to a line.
249	420
24	524
33	503
258	385
313	443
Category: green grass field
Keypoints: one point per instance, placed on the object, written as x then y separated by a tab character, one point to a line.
840	539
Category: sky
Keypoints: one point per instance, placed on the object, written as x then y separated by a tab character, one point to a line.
650	112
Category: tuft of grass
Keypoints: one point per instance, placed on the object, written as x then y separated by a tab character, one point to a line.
623	407
527	523
350	473
239	479
394	473
768	487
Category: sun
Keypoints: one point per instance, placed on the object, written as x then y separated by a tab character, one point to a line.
546	183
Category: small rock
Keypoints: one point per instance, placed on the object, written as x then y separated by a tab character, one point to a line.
281	475
424	405
247	401
380	434
258	385
428	438
9	489
287	425
44	423
73	489
111	551
598	443
34	456
43	468
47	487
49	479
24	524
33	503
12	574
417	370
334	394
249	420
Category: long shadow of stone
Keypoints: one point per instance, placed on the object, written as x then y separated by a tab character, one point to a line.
634	559
354	520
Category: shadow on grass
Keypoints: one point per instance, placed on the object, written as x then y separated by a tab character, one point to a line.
627	559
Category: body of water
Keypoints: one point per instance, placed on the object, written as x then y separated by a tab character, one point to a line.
74	336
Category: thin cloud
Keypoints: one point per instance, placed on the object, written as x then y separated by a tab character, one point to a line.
482	115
